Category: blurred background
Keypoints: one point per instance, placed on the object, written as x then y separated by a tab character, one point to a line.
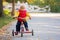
9	8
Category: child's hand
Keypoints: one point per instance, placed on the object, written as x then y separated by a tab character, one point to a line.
22	19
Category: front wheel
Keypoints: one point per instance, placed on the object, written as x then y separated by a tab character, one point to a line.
21	34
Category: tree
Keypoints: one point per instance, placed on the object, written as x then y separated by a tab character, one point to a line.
54	5
1	8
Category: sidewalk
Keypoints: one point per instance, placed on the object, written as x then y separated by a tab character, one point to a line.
4	35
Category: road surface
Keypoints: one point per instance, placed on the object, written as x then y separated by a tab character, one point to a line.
45	28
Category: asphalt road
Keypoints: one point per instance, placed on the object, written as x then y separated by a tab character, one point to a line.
45	28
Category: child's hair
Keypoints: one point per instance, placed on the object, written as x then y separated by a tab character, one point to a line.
22	7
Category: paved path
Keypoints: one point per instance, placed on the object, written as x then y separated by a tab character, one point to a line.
45	14
45	28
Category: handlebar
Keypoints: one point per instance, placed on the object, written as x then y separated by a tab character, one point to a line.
18	17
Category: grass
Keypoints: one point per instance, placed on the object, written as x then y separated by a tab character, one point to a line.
5	20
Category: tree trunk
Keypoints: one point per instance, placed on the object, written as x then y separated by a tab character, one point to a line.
1	8
13	7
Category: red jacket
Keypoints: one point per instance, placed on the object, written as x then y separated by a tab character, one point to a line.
22	14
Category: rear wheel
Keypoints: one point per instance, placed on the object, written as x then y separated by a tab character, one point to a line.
12	32
32	33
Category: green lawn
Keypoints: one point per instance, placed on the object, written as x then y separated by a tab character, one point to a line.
5	20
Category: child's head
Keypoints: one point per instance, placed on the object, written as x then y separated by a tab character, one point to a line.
22	7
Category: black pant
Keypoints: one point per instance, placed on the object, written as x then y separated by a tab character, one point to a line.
19	24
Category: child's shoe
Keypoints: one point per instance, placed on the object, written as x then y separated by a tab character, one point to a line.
16	33
27	29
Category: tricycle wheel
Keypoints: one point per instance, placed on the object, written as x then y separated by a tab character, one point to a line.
12	32
32	33
21	34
